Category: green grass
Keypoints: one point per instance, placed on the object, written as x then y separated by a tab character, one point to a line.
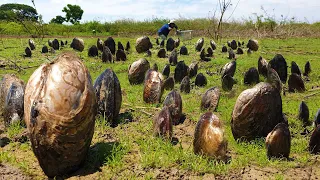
131	148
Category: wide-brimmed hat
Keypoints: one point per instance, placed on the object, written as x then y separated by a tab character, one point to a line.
171	22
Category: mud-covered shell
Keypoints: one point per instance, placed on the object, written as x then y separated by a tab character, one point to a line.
304	113
251	76
100	44
44	49
93	51
60	109
209	139
279	64
174	101
210	99
177	43
173	57
180	71
185	85
170	45
143	44
224	49
193	69
28	52
106	55
166	70
55	44
278	142
296	83
262	66
233	44
32	44
199	44
153	87
256	112
162	124
162	53
183	50
111	44
295	68
201	80
227	82
253	45
77	44
307	68
121	55
229	68
213	45
137	71
314	143
168	83
108	94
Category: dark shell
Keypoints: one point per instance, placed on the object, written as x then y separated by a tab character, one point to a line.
185	85
137	71
143	44
148	53
224	49
253	45
121	55
120	46
52	51
31	44
203	55
62	43
296	83
307	68
166	70
173	58
177	43
100	44
210	99
108	94
256	112
174	102
183	50
232	55
55	44
199	44
66	42
239	44
28	52
193	69
210	52
77	44
111	44
44	49
229	43
168	83
162	43
229	68
93	51
278	142
201	80
106	55
251	76
240	50
304	113
263	66
180	71
249	51
213	45
50	42
11	98
157	41
279	64
314	143
128	46
295	68
317	118
153	87
155	67
170	44
60	133
162	124
209	139
233	44
162	53
274	79
227	82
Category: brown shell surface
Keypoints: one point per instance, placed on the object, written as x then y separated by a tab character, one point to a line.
60	109
256	112
210	99
153	87
278	141
263	66
209	137
174	102
296	83
137	71
162	124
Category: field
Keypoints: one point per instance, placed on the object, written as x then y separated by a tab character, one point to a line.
129	150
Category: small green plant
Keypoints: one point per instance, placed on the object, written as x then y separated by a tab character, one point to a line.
14	129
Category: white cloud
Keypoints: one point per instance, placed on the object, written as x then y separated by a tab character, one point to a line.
107	10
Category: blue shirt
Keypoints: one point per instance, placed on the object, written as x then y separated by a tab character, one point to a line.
165	30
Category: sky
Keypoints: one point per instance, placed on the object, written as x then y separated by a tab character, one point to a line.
112	10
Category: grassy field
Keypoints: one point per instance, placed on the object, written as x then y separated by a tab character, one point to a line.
129	151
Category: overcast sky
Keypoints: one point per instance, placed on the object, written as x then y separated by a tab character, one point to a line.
111	10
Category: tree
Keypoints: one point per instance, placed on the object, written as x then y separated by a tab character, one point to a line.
73	13
58	20
20	12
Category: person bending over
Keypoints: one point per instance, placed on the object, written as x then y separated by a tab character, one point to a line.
165	29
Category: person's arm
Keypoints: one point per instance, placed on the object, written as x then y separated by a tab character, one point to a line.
176	26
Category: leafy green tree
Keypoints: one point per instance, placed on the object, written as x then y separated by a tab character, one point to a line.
58	20
73	13
20	12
